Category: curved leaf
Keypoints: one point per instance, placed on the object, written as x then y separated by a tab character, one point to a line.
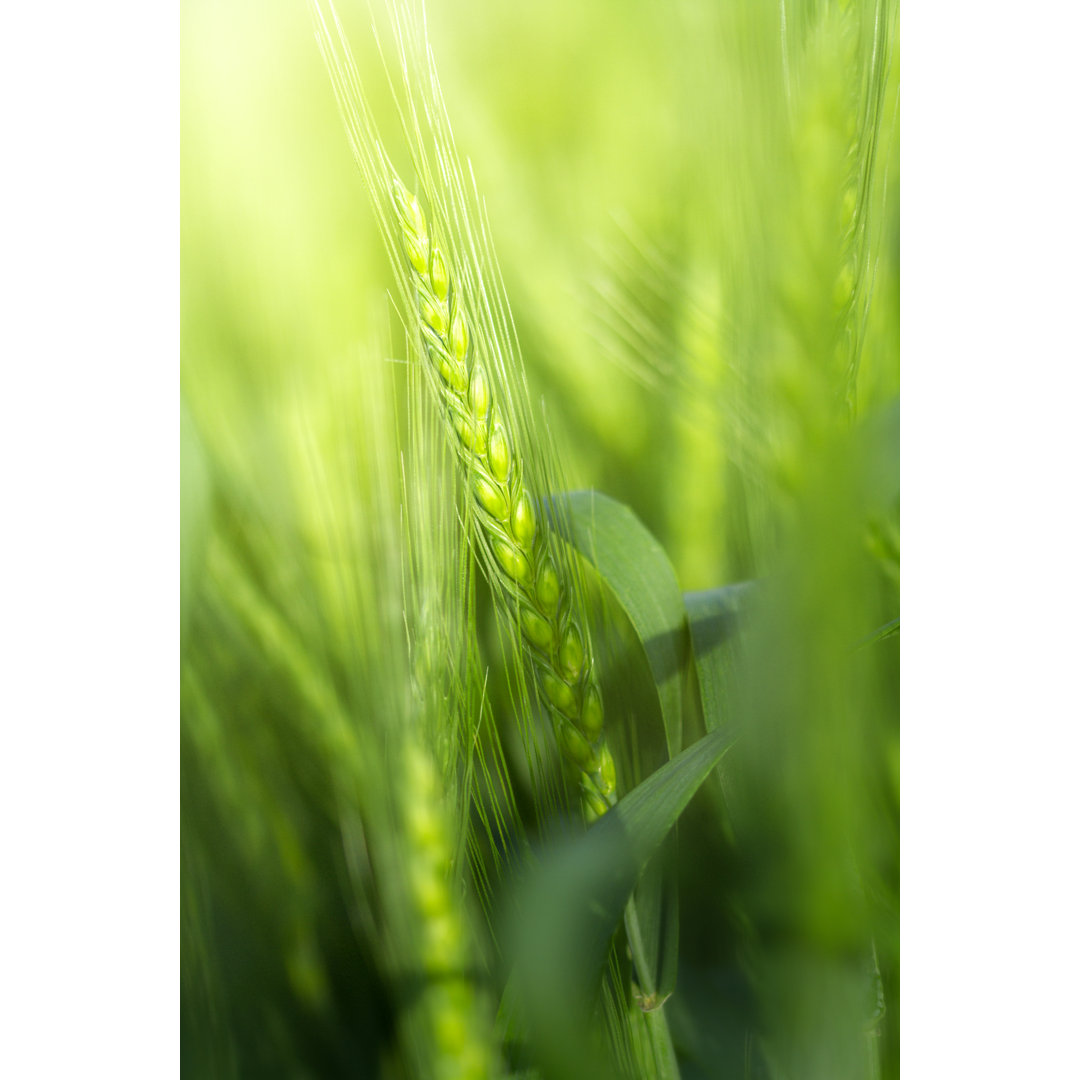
572	905
636	569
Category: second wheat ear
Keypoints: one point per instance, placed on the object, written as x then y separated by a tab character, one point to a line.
529	579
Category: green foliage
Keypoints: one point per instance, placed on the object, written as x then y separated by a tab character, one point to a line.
632	564
572	904
384	870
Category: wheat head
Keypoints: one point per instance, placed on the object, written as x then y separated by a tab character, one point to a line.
515	533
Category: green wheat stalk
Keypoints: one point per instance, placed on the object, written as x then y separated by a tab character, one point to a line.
459	324
515	536
465	333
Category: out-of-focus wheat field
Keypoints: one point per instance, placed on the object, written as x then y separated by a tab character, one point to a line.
695	206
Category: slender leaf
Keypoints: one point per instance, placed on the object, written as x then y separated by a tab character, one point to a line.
714	617
572	906
634	566
886	630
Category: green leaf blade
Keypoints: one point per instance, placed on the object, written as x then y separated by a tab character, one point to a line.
633	565
570	908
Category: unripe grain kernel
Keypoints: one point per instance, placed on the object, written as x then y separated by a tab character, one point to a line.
443	944
451	1033
572	653
423	825
479	397
459	335
420	776
547	588
560	695
440	277
848	206
434	314
536	629
416	252
576	747
595	807
444	364
524	521
490	498
409	210
592	715
607	771
499	454
471	434
513	562
429	891
452	375
845	282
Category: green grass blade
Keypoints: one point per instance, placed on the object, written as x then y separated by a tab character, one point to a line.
714	616
647	814
886	630
636	569
571	907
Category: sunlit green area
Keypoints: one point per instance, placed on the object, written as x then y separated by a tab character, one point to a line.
385	872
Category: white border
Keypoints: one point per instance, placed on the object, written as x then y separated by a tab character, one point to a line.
989	459
89	420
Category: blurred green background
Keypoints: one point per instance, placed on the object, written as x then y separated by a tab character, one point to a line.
696	210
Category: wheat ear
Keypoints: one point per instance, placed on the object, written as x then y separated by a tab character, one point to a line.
516	536
454	1017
